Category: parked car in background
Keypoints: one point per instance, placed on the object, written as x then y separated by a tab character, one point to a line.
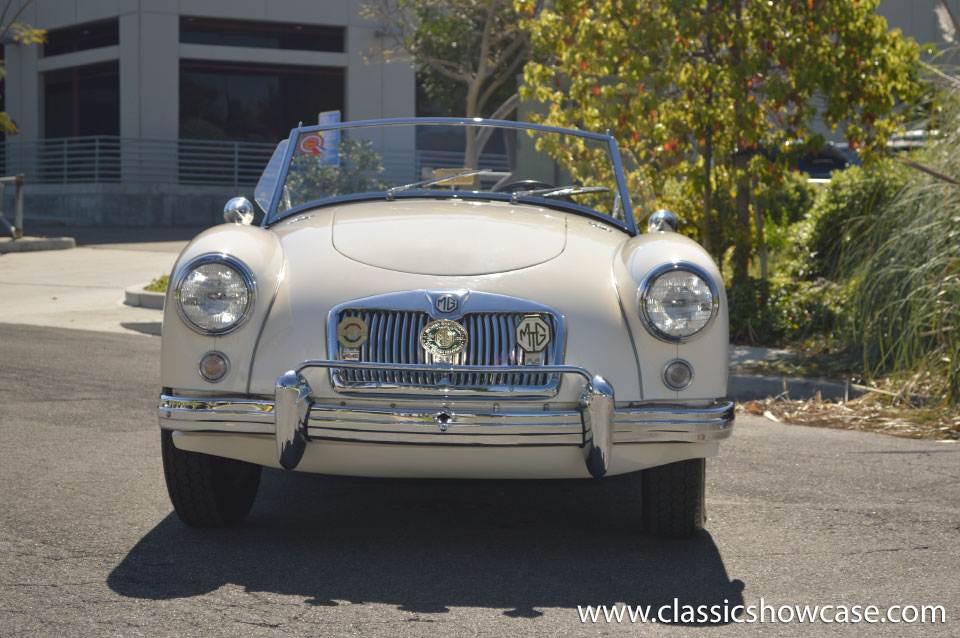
822	163
501	318
911	140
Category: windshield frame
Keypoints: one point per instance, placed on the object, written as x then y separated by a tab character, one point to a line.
629	226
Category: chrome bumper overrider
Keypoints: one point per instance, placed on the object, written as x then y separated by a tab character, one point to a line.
293	419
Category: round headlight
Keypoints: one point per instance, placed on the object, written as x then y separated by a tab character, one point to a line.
677	301
215	294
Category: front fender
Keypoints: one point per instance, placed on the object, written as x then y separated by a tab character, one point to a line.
708	352
182	347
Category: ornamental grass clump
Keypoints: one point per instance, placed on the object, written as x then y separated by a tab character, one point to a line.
905	266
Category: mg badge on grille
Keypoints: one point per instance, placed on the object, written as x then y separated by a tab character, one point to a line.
446	304
533	335
443	338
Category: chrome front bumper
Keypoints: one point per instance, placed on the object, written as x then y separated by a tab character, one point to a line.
293	419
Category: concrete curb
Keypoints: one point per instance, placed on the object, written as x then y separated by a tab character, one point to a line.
28	244
137	296
751	387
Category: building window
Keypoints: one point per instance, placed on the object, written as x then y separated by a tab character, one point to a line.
253	102
269	35
82	100
3	107
81	37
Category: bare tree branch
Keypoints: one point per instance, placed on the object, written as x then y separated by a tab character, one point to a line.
448	69
929	171
6	26
506	108
471	43
485	41
502	77
511	49
502	111
3	16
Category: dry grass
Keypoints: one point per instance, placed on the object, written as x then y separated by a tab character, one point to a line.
872	412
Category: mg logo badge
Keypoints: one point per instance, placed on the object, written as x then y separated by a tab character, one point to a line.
533	333
446	304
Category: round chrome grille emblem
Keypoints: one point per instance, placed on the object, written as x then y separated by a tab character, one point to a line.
352	332
443	338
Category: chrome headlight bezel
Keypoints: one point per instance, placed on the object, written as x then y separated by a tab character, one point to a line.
232	262
652	277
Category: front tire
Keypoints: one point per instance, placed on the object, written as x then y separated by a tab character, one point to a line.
208	491
673	498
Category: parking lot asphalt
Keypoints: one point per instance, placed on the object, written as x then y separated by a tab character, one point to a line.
89	545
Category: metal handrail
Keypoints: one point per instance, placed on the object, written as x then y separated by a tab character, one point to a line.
106	158
111	159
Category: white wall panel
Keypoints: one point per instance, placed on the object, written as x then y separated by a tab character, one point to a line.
159	90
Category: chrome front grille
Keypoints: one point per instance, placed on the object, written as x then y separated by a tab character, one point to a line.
394	337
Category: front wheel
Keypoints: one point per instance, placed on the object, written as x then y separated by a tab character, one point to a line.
673	498
206	490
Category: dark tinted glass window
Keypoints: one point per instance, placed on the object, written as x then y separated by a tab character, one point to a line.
82	100
82	36
3	107
254	102
269	35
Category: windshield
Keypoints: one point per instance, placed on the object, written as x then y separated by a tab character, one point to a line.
506	161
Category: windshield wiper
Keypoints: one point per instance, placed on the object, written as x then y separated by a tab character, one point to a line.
437	180
559	191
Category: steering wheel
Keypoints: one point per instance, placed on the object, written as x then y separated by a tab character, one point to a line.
522	185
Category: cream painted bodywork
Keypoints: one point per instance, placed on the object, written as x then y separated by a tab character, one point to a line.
450	462
426	240
306	265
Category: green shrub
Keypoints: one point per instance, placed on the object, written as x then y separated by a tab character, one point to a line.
785	204
873	269
843	210
159	284
752	314
783	310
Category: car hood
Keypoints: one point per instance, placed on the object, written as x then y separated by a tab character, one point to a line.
448	237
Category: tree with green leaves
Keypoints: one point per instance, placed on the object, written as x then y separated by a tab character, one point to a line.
468	53
711	97
12	31
357	171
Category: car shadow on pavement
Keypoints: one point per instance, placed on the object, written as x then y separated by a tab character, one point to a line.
427	546
151	328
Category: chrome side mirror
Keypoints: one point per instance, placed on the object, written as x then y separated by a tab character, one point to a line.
238	210
663	221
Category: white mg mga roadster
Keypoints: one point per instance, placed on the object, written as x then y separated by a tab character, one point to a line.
406	309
